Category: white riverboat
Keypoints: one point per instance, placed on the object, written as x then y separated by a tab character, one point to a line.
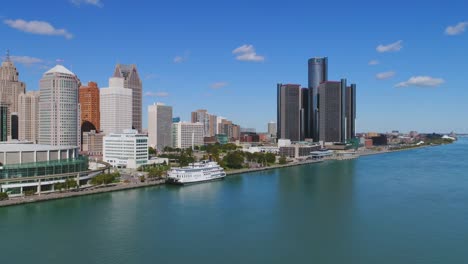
196	172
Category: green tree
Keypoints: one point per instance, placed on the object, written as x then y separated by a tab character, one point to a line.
283	160
234	160
151	151
3	196
270	158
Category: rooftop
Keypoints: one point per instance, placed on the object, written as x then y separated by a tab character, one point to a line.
60	69
22	146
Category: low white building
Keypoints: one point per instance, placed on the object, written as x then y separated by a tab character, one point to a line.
128	149
187	135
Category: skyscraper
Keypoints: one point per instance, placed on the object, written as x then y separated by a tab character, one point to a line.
90	107
3	122
351	111
159	126
334	109
58	108
116	107
10	89
289	103
272	129
133	82
318	73
208	120
28	114
14	126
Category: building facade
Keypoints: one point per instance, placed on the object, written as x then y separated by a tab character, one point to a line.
133	82
10	89
289	110
208	120
187	135
28	115
4	120
92	143
90	107
58	108
317	73
272	127
128	149
160	126
116	107
337	111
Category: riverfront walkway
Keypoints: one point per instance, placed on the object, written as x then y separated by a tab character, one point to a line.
80	192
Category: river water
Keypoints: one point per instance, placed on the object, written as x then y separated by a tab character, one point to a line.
405	207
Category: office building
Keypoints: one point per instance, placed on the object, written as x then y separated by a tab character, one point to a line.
10	89
208	120
90	107
272	129
333	111
58	108
92	142
4	120
351	111
317	73
159	126
133	82
14	126
28	115
187	135
126	150
116	107
289	111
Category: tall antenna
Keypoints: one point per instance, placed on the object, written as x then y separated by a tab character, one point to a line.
7	58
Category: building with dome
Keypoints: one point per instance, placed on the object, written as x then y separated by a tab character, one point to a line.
58	108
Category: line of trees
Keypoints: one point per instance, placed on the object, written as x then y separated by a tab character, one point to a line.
237	159
3	196
67	185
105	178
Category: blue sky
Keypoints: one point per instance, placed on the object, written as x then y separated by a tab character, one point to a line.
184	51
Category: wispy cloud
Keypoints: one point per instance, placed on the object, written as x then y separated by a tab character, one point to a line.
457	29
374	62
392	47
37	27
97	3
218	85
385	75
421	81
157	94
247	53
182	58
26	60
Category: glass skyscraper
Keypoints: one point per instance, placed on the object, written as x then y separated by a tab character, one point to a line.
318	73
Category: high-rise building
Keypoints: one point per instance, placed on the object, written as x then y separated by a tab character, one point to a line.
58	108
14	126
272	129
318	73
337	104
305	129
289	110
208	120
187	135
10	89
28	114
351	111
3	122
90	109
116	107
159	126
133	82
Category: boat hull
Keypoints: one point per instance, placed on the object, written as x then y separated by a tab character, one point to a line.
177	182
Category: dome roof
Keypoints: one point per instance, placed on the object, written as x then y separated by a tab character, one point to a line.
60	69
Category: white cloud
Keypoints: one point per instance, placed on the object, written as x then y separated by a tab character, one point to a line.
457	29
374	62
385	75
157	94
151	76
37	27
218	85
247	53
396	46
97	3
178	59
421	81
26	60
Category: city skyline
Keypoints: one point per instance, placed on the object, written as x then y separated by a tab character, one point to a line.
220	67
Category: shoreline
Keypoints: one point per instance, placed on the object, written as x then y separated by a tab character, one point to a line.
123	186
